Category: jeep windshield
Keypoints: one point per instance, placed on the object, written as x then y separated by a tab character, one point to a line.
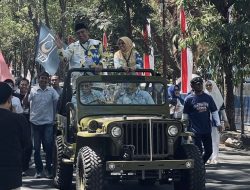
127	93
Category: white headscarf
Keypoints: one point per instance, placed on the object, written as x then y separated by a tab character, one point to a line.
216	95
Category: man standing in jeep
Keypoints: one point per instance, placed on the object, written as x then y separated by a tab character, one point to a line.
85	52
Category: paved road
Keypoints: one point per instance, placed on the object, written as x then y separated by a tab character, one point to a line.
232	173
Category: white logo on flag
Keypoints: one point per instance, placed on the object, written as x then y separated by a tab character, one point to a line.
46	46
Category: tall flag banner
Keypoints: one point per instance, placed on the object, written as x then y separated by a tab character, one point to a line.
46	53
4	70
104	41
183	20
148	59
186	56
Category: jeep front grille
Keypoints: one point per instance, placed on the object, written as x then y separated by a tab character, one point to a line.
139	134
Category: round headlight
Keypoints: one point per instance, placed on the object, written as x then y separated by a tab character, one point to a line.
116	131
173	130
93	126
111	166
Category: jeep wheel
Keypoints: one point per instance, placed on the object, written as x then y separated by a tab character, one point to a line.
62	173
89	170
191	179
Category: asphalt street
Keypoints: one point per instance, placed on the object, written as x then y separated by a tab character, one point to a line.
232	173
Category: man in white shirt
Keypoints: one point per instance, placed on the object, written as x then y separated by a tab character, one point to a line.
15	101
85	52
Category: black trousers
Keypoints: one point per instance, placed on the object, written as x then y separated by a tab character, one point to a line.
204	143
28	151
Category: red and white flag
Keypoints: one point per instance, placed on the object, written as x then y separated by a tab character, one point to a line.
186	57
183	20
4	70
148	59
104	41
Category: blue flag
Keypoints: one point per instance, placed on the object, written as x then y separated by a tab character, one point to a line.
46	50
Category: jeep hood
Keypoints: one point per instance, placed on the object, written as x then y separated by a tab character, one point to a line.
105	121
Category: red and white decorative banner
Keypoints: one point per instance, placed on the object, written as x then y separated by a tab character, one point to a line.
5	73
186	69
104	41
148	59
183	20
186	58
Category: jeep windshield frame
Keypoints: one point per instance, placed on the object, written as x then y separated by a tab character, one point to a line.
120	92
110	109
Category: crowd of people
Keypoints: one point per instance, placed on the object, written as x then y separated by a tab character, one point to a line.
27	109
27	116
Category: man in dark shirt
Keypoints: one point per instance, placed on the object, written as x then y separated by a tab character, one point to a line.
54	80
13	141
197	109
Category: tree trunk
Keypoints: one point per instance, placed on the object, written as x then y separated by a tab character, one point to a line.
242	103
63	18
46	13
170	58
61	69
128	19
34	20
230	96
222	7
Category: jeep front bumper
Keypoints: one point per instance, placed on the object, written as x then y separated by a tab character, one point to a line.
117	166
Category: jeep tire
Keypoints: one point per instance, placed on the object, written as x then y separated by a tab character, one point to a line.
62	173
89	170
191	179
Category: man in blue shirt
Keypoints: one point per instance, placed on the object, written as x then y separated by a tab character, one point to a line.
134	95
197	109
91	96
43	101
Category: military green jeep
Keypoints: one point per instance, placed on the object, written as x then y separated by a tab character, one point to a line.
116	127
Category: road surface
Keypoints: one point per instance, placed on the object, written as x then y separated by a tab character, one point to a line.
232	173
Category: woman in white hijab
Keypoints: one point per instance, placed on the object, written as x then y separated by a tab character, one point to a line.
213	90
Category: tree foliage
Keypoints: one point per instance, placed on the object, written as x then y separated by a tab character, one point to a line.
218	32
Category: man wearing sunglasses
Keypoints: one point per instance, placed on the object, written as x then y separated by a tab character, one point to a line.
198	107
